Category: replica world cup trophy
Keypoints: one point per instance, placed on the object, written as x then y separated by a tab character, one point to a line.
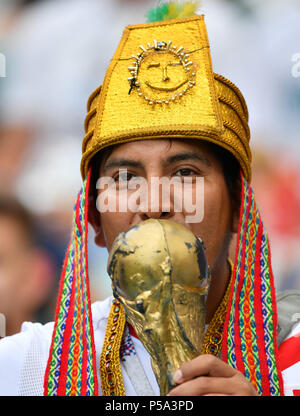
160	275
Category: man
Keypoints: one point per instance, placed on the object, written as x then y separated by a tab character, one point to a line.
173	118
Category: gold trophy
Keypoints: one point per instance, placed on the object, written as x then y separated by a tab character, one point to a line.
160	275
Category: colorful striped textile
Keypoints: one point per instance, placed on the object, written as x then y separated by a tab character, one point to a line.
250	339
71	368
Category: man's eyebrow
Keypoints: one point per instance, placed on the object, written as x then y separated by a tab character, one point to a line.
179	157
121	163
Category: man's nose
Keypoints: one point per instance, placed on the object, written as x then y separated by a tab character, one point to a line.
162	211
159	205
155	215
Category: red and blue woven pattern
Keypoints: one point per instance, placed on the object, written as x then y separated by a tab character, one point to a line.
250	340
127	347
71	368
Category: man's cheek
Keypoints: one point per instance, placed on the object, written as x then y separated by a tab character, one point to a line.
112	225
209	231
194	200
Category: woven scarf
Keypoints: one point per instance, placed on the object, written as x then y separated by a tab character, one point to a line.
250	328
71	368
249	336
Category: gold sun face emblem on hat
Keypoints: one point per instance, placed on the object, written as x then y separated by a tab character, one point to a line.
162	73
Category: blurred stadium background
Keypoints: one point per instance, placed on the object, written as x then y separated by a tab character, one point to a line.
56	54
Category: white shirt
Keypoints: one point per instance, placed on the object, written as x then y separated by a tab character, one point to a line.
24	356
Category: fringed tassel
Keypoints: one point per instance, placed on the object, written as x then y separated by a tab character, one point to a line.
71	368
250	339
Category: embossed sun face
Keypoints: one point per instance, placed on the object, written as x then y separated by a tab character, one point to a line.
162	73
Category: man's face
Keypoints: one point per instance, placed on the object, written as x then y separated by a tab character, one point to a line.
176	159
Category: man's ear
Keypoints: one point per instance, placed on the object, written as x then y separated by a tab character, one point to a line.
235	221
236	207
95	221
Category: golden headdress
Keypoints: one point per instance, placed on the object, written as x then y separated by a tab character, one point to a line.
160	83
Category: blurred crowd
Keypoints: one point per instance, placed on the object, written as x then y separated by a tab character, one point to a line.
56	53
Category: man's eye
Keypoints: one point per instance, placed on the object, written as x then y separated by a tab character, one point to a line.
123	177
185	172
